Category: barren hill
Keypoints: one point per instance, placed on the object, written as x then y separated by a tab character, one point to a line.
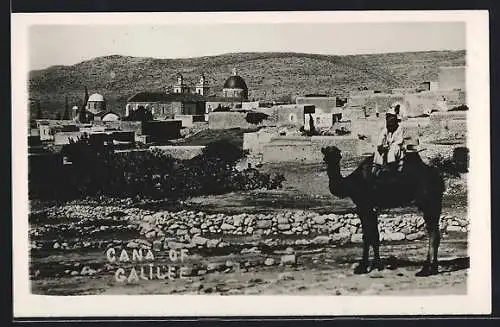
268	75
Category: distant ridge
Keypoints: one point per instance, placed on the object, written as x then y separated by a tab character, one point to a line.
269	75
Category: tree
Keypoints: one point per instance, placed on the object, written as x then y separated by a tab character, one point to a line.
39	114
66	115
141	114
82	116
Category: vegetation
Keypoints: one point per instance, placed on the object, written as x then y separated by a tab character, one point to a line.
454	166
96	170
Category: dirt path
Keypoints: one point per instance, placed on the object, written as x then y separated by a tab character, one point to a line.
322	271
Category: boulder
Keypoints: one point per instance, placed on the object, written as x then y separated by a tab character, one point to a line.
322	239
283	227
320	220
357	238
391	237
288	259
269	262
213	243
198	240
264	224
415	236
453	229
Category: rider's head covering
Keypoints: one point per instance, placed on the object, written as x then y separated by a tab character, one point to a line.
394	111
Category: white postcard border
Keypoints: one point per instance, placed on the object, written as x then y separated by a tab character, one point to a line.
478	298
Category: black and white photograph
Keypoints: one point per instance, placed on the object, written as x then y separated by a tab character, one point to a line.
251	163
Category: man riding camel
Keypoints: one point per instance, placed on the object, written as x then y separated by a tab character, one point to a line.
390	145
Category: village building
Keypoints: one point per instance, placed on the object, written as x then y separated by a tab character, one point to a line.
167	105
96	103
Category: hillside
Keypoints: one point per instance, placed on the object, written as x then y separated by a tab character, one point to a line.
268	75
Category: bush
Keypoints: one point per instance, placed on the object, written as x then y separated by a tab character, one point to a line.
446	166
97	170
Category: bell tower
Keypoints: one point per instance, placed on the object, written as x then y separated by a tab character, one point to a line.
180	87
202	86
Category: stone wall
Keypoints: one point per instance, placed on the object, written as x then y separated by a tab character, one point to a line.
180	152
64	137
451	78
228	120
187	120
320	120
449	124
322	103
189	229
308	149
254	142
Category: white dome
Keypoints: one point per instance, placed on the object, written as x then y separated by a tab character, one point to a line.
96	97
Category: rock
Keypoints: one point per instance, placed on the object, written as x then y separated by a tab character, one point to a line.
341	291
132	245
340	238
322	239
202	272
195	231
250	230
253	250
284	227
320	220
453	229
227	227
288	259
215	266
282	220
357	238
181	232
151	234
87	271
391	237
56	245
264	224
415	236
157	245
335	227
174	245
302	242
198	240
74	273
269	262
213	243
285	276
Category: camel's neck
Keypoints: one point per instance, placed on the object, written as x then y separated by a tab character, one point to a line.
335	180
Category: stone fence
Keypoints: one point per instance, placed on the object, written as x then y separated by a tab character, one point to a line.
188	229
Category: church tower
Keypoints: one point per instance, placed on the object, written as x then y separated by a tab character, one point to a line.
202	86
180	87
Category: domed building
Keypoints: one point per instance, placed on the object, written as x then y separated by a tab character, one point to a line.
96	103
235	87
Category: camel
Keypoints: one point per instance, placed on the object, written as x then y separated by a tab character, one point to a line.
416	185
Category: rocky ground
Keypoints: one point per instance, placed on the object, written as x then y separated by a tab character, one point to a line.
122	247
296	240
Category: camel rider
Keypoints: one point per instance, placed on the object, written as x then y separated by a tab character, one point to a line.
390	144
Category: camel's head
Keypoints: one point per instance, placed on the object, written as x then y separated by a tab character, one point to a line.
331	155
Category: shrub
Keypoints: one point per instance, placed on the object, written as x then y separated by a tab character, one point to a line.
97	170
446	166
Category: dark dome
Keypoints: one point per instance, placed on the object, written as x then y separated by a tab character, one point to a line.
235	82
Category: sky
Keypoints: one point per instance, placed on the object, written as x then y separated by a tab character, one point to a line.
70	44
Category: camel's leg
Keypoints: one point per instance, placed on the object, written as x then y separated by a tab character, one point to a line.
362	267
371	238
430	266
375	240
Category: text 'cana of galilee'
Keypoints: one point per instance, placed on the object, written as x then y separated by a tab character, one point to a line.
139	265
